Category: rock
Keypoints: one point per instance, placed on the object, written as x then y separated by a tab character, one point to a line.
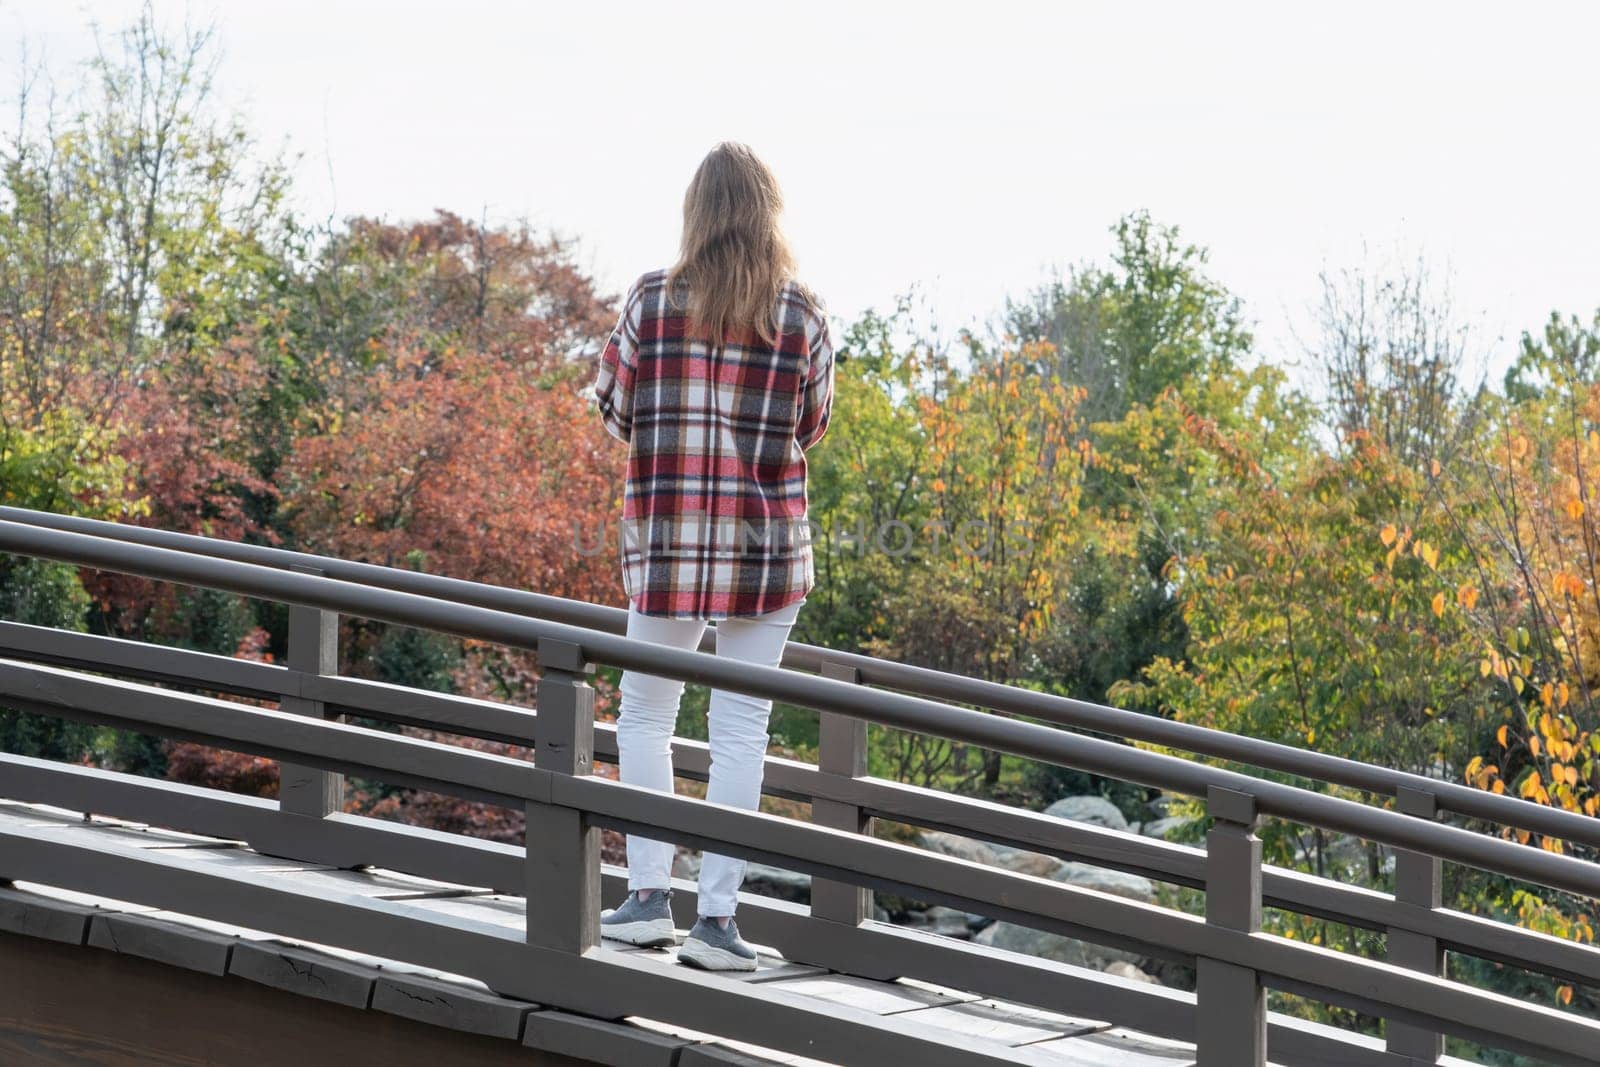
686	865
1035	863
1105	880
978	922
1120	969
1014	938
941	920
776	882
964	848
1164	826
1096	810
759	878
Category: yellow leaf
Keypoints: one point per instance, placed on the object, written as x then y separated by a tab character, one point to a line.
1565	994
1387	535
1574	509
1438	604
1484	667
1434	467
1571	775
1467	596
1501	734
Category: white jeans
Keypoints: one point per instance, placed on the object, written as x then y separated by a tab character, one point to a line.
738	728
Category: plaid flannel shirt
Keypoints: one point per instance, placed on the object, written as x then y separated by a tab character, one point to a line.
714	517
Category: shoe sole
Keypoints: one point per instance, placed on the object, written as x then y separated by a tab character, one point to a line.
647	933
697	953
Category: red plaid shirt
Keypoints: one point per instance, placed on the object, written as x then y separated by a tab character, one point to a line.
714	517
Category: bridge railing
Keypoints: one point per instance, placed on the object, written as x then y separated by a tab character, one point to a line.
1234	961
1448	797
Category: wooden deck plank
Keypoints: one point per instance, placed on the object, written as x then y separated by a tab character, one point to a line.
882	998
509	912
613	1044
1115	1048
709	1050
384	885
451	1005
72	896
164	942
151	836
1009	1024
1035	1037
39	916
303	971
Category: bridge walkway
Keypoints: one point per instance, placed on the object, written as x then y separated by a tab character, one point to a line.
260	952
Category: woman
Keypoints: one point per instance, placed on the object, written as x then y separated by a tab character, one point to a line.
719	377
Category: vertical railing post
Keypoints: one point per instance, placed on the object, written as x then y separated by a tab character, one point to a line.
1418	882
842	751
1231	1006
563	863
313	649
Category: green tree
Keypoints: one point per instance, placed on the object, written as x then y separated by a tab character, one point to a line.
43	593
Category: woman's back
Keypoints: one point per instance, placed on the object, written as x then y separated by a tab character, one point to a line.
714	516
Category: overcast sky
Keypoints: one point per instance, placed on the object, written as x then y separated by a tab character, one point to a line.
965	147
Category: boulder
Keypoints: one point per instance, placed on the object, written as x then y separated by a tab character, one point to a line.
941	920
1164	826
686	865
1014	938
1119	969
1035	863
776	882
1119	883
759	878
1096	810
960	847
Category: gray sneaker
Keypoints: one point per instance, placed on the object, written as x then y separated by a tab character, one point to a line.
712	948
647	923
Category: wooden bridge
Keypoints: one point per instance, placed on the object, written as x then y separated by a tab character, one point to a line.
148	921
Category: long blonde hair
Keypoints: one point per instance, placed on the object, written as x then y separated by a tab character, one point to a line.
733	258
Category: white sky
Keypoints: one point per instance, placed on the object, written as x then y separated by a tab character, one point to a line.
965	147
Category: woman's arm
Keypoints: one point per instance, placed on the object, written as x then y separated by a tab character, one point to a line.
613	387
817	398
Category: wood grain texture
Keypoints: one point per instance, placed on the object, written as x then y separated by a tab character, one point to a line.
147	1013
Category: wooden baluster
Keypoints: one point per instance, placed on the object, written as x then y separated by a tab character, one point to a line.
841	750
1231	1006
563	862
313	649
1417	884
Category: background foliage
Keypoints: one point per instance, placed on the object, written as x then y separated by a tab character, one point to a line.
1111	493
